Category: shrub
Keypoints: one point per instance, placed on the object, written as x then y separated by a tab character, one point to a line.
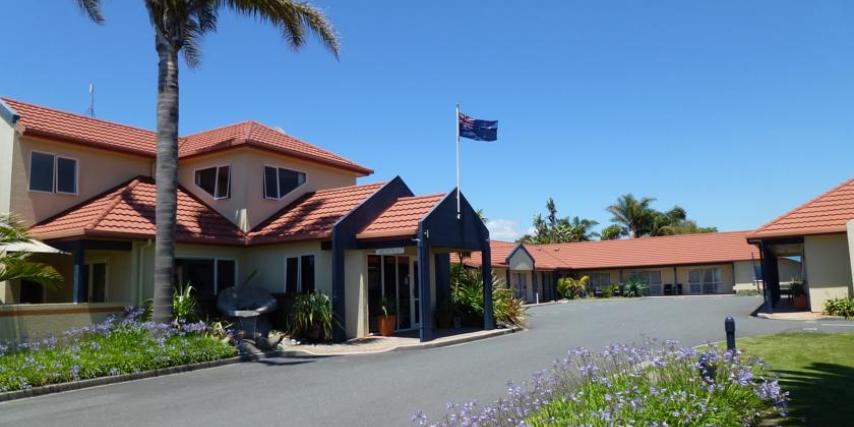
112	347
184	305
571	288
608	291
655	384
311	317
634	287
840	307
467	296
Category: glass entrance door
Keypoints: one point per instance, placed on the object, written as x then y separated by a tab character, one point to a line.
394	279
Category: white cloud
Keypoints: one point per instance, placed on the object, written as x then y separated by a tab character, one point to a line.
503	229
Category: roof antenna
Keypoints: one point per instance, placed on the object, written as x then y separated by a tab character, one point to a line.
91	110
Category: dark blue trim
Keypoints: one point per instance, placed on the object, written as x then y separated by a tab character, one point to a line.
426	330
8	113
344	237
80	291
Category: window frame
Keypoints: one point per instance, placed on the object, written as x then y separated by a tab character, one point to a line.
215	263
90	268
278	188
216	180
55	174
299	258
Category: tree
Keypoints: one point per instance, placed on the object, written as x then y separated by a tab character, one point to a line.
632	214
553	229
179	26
611	232
16	265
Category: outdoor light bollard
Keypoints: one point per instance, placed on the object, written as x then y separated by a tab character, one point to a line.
729	326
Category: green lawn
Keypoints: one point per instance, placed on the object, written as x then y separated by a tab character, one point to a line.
818	371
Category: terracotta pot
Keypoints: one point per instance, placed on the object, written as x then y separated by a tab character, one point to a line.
387	324
800	302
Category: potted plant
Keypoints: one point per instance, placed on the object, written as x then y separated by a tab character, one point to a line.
388	319
799	297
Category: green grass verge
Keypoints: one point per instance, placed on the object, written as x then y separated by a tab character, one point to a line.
817	369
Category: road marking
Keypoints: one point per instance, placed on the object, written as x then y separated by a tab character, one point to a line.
844	325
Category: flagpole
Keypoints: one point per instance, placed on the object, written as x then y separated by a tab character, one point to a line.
457	126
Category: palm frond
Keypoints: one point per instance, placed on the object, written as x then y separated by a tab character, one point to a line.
16	266
92	8
293	18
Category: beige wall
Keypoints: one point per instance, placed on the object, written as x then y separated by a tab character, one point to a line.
7	143
98	171
520	261
828	268
269	262
28	322
356	293
744	275
247	206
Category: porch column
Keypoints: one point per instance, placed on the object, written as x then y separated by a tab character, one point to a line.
426	332
443	280
79	287
486	271
339	305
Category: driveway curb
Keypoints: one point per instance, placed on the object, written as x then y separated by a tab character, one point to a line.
95	382
419	346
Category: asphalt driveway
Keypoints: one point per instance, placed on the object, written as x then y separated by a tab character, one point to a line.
386	389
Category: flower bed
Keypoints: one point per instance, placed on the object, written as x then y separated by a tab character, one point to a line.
656	384
112	347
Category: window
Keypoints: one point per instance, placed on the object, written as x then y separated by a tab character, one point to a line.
280	181
600	280
30	293
705	280
96	281
652	279
52	174
520	285
299	274
215	181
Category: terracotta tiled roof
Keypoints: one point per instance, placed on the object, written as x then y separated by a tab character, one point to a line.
701	248
49	123
313	215
255	134
401	219
499	251
128	211
827	213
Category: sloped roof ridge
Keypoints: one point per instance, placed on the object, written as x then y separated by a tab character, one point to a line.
804	205
78	115
671	236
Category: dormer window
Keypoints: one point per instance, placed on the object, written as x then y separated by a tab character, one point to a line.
50	173
278	182
215	181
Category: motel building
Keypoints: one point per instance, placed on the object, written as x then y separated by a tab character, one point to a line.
690	264
252	201
820	233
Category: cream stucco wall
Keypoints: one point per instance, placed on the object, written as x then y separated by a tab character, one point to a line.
356	293
828	268
7	143
269	262
247	206
32	320
667	275
98	171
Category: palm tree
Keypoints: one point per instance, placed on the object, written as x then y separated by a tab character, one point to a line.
581	230
179	26
15	265
634	215
611	232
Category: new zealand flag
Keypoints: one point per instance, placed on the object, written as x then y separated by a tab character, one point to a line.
478	130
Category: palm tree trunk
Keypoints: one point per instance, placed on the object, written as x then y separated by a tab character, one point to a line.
166	176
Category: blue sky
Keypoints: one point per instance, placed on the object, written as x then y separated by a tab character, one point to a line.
737	111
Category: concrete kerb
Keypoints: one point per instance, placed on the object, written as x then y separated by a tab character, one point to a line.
100	381
405	347
248	353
